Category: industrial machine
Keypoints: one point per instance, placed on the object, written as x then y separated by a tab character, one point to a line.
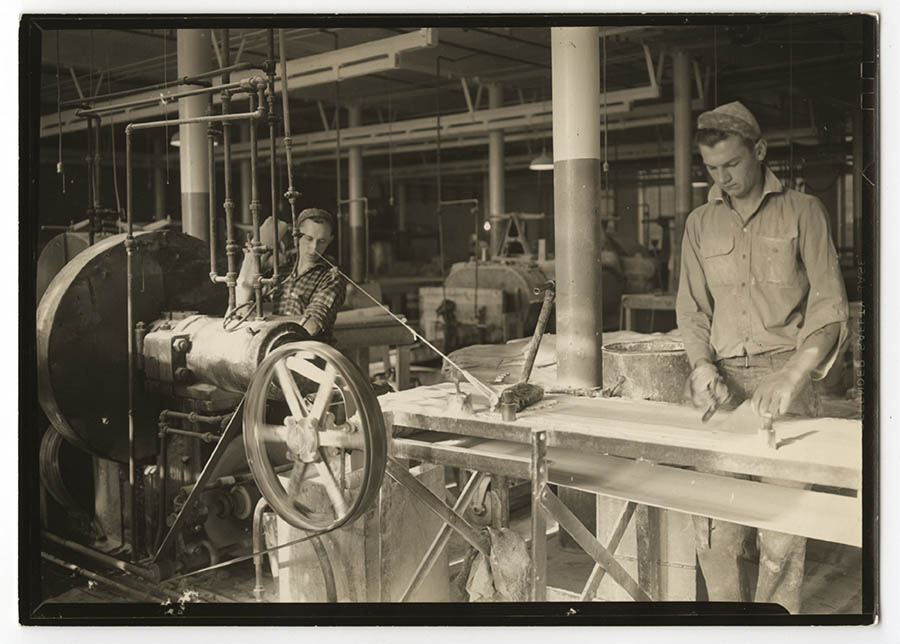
180	439
197	413
495	300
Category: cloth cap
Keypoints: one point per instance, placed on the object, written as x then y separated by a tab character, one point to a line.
315	213
731	117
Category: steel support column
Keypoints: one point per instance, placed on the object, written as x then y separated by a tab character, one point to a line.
683	149
496	175
194	58
576	188
358	250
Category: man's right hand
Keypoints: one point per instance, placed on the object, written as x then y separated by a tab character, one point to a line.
246	278
706	387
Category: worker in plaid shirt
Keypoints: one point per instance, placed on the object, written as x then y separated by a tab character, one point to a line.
313	291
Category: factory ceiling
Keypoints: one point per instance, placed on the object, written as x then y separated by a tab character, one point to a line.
792	70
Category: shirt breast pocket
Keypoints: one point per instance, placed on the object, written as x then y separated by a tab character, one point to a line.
774	259
719	262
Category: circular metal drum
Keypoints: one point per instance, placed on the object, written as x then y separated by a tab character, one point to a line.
82	341
56	254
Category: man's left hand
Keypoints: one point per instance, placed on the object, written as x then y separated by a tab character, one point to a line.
775	393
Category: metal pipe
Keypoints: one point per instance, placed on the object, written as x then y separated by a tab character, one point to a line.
273	122
129	298
128	590
256	244
193	417
682	144
102	557
240	86
206	437
252	115
186	80
291	193
231	247
211	182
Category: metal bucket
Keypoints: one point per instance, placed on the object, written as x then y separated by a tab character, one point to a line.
646	370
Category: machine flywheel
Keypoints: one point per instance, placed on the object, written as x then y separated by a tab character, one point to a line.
309	402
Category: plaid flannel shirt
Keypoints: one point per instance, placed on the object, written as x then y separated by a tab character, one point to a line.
316	294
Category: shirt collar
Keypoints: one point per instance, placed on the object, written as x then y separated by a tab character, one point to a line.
771	184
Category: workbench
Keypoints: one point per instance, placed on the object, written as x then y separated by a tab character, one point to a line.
642	452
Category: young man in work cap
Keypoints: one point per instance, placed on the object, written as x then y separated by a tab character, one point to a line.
762	310
310	289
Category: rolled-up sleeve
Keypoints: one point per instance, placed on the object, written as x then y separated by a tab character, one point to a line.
326	300
827	300
693	304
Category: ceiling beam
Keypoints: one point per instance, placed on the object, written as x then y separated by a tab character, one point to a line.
338	65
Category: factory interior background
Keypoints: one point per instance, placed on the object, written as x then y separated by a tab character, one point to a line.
434	149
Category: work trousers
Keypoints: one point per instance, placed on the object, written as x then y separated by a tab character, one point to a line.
722	547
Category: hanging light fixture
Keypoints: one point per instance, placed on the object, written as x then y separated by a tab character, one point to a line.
543	161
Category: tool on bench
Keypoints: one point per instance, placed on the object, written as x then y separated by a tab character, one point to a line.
523	394
768	431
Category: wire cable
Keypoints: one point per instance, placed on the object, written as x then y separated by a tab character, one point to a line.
416	335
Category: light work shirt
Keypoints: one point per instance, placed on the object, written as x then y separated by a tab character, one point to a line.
759	286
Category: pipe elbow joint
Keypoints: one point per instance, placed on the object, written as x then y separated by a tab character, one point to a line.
253	84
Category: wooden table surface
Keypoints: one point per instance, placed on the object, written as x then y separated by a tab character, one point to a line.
824	451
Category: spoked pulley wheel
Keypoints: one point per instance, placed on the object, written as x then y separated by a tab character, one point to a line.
308	402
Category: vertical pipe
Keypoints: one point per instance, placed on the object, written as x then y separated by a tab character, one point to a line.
579	237
246	217
231	247
193	58
682	123
129	306
496	176
211	183
291	193
273	165
358	250
254	199
159	177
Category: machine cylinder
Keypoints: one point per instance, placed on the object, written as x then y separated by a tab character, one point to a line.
200	349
